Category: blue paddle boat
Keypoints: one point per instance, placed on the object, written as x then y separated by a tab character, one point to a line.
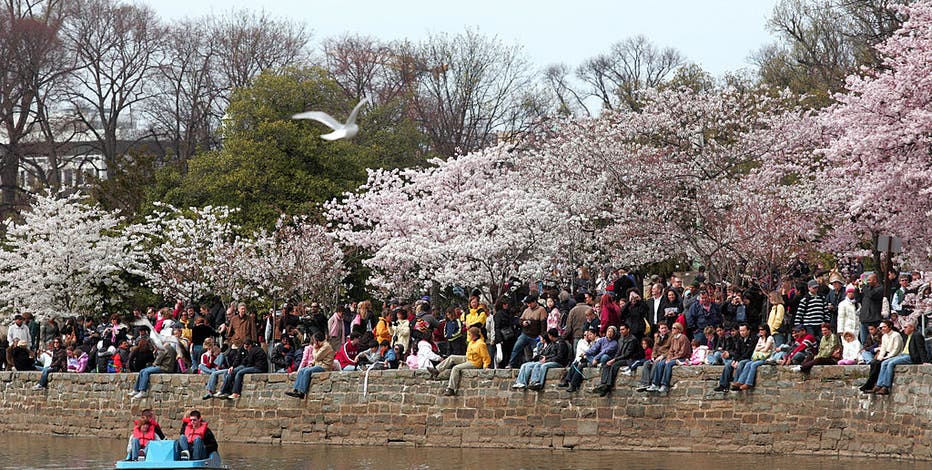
161	455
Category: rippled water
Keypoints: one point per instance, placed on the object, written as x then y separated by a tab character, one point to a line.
21	452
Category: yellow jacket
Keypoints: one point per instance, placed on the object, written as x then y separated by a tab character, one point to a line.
382	331
478	354
775	320
475	315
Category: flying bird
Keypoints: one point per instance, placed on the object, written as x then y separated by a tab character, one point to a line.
346	130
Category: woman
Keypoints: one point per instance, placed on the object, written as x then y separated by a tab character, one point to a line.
609	315
671	306
143	432
553	314
506	331
141	356
401	329
365	318
635	315
775	319
383	329
762	352
476	316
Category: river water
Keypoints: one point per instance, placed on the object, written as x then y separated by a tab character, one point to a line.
21	452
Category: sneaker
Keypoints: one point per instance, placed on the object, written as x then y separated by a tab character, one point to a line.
563	385
628	372
796	368
222	396
142	394
535	386
234	396
518	386
720	389
185	455
207	396
132	393
38	387
641	388
449	392
294	393
663	389
652	388
598	389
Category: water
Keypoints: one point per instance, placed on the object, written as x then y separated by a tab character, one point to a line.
22	452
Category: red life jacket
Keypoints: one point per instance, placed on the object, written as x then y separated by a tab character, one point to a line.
144	438
190	432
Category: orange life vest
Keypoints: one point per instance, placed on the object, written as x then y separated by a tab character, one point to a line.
190	432
144	437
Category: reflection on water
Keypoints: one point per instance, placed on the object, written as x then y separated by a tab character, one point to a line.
21	452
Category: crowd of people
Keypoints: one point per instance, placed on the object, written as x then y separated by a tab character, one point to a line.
618	324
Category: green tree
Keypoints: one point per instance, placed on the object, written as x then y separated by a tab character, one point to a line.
271	164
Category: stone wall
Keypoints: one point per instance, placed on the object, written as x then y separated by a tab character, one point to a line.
787	413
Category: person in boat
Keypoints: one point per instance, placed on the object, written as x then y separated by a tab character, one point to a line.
143	432
197	441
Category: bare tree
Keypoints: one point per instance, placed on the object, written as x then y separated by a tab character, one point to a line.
187	92
30	69
116	46
632	65
247	43
557	79
471	88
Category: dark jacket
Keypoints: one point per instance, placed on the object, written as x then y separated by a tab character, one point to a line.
256	357
629	349
59	360
698	318
917	348
561	353
166	359
871	304
634	315
743	347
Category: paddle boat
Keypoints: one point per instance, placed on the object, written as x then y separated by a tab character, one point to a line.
161	455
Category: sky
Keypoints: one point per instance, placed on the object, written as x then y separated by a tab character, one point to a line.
719	35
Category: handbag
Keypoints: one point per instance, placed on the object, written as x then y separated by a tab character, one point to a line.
508	333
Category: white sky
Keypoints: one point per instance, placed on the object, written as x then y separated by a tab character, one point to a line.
719	35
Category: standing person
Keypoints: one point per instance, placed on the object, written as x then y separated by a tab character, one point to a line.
609	313
33	327
243	325
533	322
847	320
197	441
506	332
635	315
575	328
336	328
702	313
812	310
871	305
477	357
775	319
318	357
19	331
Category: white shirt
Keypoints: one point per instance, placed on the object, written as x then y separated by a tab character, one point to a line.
19	332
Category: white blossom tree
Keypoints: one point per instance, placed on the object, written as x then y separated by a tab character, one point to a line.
185	249
65	258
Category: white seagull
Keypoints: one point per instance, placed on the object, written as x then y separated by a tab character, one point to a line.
340	131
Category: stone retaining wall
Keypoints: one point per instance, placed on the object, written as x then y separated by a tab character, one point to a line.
786	413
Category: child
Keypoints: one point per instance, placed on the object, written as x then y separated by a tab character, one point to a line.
700	351
647	344
850	347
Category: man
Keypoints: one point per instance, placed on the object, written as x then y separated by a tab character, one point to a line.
229	361
346	355
735	359
338	327
19	331
913	352
804	347
59	364
256	361
322	354
576	319
533	323
828	354
871	305
654	305
33	327
243	326
477	357
196	440
629	351
899	295
835	296
165	363
812	310
701	314
556	353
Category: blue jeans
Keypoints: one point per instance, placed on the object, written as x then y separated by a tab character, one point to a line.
867	356
732	369
234	382
142	382
303	382
663	372
748	374
134	448
214	376
44	380
522	342
714	358
196	448
885	379
539	371
779	339
524	374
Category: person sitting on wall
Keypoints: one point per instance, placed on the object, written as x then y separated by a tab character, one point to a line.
894	351
256	361
197	441
477	357
318	357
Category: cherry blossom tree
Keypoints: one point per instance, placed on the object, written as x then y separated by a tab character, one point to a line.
185	249
296	261
65	258
878	160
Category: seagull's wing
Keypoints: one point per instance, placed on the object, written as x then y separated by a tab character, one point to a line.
352	117
320	117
